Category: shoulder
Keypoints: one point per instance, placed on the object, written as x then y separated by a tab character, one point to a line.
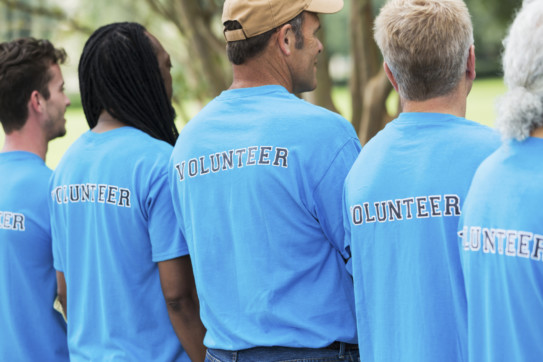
319	123
146	152
480	130
477	137
125	150
24	166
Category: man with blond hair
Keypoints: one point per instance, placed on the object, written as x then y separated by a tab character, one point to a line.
257	180
403	196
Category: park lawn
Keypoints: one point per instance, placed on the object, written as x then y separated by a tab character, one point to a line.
482	100
76	125
480	108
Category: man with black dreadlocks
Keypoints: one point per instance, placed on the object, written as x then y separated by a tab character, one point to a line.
115	236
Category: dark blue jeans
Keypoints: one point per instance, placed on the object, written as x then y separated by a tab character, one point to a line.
283	354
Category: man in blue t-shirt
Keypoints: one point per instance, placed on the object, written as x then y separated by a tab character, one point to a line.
257	179
32	107
502	221
404	193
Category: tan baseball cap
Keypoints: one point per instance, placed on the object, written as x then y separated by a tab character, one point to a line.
259	16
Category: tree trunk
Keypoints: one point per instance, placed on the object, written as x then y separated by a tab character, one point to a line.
374	114
322	95
369	85
209	51
207	55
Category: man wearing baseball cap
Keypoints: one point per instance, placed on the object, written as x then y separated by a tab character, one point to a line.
256	179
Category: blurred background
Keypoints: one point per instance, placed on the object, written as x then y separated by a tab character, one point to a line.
351	80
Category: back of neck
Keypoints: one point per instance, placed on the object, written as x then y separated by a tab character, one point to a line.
23	141
450	104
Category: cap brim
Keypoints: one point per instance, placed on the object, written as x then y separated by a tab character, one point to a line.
325	6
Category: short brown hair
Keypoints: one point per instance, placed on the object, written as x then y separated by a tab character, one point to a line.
241	50
24	68
425	43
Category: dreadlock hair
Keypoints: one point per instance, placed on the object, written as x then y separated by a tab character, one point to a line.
119	73
24	68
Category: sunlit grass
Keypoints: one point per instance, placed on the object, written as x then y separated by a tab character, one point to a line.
482	100
76	125
480	106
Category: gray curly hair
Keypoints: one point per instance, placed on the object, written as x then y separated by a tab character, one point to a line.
520	110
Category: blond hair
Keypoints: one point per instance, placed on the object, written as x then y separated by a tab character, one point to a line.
425	43
520	110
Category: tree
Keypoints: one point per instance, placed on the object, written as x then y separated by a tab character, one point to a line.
369	85
206	71
490	21
195	22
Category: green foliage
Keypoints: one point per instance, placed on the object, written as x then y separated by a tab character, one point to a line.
502	11
336	28
491	19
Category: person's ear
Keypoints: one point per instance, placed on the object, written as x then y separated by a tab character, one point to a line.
286	39
36	102
390	76
470	67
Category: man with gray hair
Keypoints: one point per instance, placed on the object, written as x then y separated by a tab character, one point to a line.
502	220
257	181
404	193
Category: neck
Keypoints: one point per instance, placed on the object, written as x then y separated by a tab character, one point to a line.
436	105
538	132
453	103
106	122
27	139
267	68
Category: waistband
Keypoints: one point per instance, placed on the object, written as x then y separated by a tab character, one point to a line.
333	352
337	345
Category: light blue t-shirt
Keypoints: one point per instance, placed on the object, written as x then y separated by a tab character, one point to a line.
257	180
30	329
402	204
112	221
502	243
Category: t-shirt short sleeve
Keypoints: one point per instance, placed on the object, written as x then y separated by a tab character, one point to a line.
329	194
167	240
57	238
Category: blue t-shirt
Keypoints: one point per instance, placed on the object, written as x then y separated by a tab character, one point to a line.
30	329
112	220
403	198
257	180
502	242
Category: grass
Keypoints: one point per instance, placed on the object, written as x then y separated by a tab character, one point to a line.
482	100
480	108
76	125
